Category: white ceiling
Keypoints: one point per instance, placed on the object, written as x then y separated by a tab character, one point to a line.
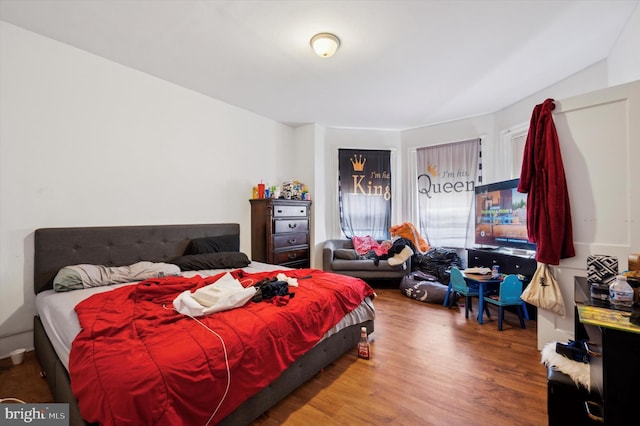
402	64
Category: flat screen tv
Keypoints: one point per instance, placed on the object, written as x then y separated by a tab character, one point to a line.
501	216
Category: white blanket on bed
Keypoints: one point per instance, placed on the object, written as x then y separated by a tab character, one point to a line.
226	293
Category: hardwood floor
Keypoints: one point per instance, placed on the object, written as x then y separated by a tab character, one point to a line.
23	381
429	366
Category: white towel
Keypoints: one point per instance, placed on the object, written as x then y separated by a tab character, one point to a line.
226	293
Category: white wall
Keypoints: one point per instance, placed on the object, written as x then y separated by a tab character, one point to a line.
596	125
308	157
598	134
85	141
588	80
624	60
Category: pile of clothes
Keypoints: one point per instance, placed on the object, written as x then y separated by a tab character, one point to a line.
395	251
405	242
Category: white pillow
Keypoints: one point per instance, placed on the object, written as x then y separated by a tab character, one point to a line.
76	277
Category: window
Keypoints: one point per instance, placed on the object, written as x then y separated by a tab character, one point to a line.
446	179
364	188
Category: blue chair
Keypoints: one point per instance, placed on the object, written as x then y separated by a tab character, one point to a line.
457	284
508	295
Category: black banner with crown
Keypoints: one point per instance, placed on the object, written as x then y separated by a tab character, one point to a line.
365	192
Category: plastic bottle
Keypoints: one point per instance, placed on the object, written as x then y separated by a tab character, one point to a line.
363	344
621	293
495	272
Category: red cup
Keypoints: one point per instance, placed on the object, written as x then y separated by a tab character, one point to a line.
261	190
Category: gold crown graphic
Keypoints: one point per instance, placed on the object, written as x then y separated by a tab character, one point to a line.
433	170
357	163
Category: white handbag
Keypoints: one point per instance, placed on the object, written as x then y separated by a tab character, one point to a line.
544	291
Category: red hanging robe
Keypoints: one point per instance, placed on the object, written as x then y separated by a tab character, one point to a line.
542	177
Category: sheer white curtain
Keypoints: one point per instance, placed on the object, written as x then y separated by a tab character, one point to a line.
446	179
364	189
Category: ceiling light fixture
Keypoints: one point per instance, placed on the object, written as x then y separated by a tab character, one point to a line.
325	44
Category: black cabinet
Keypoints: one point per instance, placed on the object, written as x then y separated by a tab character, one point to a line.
566	401
508	263
615	371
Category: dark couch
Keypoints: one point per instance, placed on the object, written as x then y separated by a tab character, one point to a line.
339	256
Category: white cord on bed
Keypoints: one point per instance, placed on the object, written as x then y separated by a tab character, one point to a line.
3	400
226	360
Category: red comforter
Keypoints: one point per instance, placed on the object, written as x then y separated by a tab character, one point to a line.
138	361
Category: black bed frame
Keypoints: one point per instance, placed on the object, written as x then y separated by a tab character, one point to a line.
124	245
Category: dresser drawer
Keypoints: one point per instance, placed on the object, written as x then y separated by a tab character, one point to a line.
294	225
290	240
284	257
594	337
298	264
290	211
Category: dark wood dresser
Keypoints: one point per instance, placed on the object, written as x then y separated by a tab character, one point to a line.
280	232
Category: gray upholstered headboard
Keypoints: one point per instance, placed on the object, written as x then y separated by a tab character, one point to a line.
56	248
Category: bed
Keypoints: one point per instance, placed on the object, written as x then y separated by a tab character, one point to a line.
56	323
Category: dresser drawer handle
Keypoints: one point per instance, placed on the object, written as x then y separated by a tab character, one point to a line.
594	411
292	241
291	256
590	351
292	225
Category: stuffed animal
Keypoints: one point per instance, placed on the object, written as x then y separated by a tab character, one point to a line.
408	231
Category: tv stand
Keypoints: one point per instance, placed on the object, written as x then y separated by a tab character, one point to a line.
509	263
518	252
